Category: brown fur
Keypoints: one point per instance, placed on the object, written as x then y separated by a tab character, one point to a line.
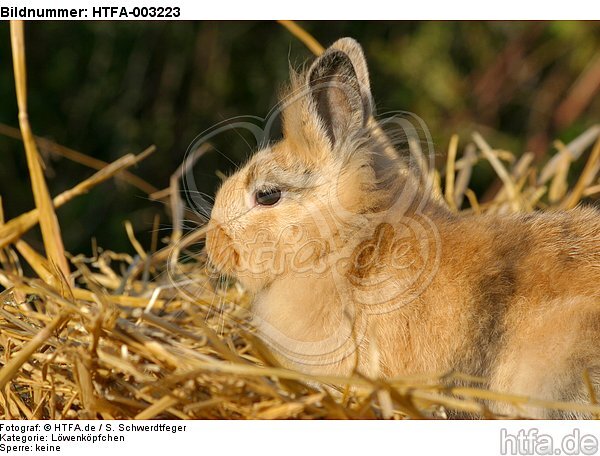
356	259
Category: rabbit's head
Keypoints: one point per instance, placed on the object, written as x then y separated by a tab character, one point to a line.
301	199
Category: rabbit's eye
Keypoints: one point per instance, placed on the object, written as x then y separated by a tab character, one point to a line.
268	197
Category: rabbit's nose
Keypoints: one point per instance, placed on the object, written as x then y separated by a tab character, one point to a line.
220	248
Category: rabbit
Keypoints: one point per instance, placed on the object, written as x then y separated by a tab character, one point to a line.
354	265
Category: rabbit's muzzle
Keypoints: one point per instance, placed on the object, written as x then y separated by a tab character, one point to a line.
221	249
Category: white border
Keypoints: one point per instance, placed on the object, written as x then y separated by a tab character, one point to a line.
346	10
302	438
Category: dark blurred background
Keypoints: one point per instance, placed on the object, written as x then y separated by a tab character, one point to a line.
106	89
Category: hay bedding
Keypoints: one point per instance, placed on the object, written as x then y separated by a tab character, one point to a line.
153	337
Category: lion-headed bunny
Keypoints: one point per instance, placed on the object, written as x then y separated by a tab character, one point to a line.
355	266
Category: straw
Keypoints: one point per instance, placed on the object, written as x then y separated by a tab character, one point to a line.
48	222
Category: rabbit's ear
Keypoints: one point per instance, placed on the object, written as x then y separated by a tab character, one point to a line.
341	99
357	57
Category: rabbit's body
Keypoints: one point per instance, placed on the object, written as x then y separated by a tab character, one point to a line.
355	267
513	301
